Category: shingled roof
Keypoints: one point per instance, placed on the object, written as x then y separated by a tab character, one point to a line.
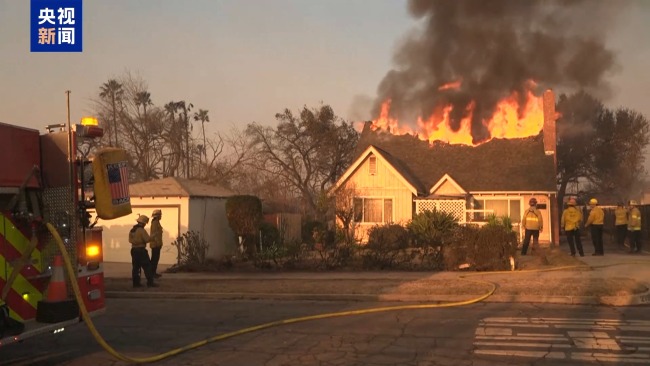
500	165
177	187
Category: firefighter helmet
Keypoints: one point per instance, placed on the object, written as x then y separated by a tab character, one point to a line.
593	201
143	219
156	213
571	202
533	201
632	203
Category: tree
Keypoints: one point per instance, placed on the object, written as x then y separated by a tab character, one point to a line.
202	116
113	92
599	146
244	215
622	136
308	151
575	135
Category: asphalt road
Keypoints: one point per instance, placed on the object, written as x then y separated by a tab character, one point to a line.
479	334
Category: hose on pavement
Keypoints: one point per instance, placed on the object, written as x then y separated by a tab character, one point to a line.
102	342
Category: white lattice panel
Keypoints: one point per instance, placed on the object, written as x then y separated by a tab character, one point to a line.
455	207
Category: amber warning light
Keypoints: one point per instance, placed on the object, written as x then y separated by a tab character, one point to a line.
89	127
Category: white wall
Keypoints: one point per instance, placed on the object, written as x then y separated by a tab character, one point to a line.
174	221
208	216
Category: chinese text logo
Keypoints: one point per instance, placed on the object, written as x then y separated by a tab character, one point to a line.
56	26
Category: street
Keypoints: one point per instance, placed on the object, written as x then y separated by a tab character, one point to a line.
480	334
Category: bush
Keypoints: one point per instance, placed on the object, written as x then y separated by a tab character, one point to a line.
385	244
192	249
482	249
244	215
429	230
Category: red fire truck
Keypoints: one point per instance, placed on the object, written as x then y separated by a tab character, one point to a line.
49	178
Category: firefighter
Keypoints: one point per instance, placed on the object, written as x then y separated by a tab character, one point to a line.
533	224
634	227
139	238
570	223
620	214
156	241
595	220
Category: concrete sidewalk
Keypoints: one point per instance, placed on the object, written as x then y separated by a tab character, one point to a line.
618	279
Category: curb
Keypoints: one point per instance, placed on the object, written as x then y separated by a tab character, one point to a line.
624	300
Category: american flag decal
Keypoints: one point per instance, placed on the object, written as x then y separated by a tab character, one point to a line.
118	175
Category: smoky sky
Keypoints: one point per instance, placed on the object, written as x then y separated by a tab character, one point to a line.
495	47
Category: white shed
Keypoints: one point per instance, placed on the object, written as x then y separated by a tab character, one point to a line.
186	205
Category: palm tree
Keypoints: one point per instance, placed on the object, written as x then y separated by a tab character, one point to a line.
202	115
143	99
113	92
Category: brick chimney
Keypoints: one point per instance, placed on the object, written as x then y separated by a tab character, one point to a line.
550	133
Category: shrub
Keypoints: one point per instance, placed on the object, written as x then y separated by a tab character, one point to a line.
244	215
429	230
483	249
385	244
192	249
504	222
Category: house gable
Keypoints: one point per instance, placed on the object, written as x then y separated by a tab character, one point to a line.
373	169
447	186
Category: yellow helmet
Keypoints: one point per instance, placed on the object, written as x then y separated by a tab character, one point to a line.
593	201
571	202
143	219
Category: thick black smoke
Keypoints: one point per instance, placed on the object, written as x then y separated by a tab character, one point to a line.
495	47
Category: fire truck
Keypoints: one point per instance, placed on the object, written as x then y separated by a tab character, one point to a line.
54	178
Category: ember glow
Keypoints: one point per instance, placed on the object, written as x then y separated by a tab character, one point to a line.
508	121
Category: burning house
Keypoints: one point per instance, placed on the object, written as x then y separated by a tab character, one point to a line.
459	123
397	175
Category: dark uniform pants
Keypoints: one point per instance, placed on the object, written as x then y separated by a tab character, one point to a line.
621	232
140	260
155	258
635	240
573	237
597	238
527	235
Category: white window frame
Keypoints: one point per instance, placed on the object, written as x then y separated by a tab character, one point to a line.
497	198
383	213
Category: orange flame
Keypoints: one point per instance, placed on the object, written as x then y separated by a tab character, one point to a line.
508	121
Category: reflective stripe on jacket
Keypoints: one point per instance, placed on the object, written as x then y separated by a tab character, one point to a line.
571	219
532	219
138	237
596	216
621	216
156	234
635	220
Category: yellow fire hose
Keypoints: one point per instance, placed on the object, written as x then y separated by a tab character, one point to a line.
173	352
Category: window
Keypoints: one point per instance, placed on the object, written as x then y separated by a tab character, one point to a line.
375	210
372	165
510	207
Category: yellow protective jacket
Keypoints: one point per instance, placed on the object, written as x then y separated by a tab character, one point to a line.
156	234
634	224
621	216
532	219
596	217
571	218
138	237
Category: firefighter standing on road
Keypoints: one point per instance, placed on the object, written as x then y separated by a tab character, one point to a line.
634	226
570	223
533	224
621	224
596	220
156	241
139	238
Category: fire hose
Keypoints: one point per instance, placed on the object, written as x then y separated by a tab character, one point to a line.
100	340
